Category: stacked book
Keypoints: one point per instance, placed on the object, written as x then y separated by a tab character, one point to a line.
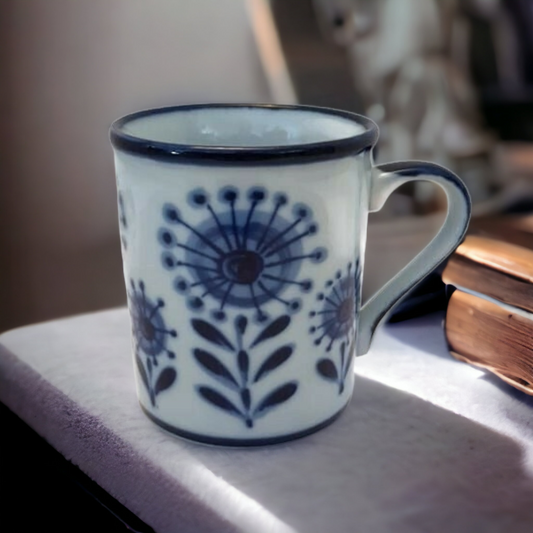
489	320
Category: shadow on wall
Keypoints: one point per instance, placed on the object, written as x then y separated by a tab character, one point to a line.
68	70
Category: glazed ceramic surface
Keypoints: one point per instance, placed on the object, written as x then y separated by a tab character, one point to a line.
243	231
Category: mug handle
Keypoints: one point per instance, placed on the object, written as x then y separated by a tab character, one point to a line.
385	179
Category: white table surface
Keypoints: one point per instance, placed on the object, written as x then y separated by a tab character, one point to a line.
427	444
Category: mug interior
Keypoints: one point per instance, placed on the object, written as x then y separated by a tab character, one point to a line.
241	126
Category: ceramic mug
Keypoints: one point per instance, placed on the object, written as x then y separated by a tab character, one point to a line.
244	231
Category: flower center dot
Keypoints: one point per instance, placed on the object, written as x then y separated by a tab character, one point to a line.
345	310
242	266
147	329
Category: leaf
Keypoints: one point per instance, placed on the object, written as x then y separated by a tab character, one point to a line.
276	397
273	329
244	363
165	380
327	369
218	400
210	333
214	367
351	352
142	372
343	351
273	361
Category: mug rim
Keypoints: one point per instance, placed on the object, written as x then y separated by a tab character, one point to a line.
297	153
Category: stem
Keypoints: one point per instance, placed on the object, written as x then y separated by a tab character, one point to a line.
243	362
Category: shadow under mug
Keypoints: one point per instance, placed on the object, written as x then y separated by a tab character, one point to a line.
243	231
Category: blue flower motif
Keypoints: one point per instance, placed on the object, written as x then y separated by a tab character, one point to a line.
122	220
149	329
337	313
240	256
151	336
336	322
122	214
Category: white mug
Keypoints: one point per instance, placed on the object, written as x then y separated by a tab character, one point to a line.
244	231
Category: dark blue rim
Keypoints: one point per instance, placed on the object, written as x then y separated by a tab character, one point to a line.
245	155
222	441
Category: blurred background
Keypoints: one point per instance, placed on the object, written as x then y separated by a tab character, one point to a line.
446	80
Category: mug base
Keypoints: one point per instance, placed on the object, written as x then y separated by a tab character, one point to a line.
243	443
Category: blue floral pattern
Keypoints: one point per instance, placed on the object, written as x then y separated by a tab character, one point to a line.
336	323
151	337
123	221
236	379
242	254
